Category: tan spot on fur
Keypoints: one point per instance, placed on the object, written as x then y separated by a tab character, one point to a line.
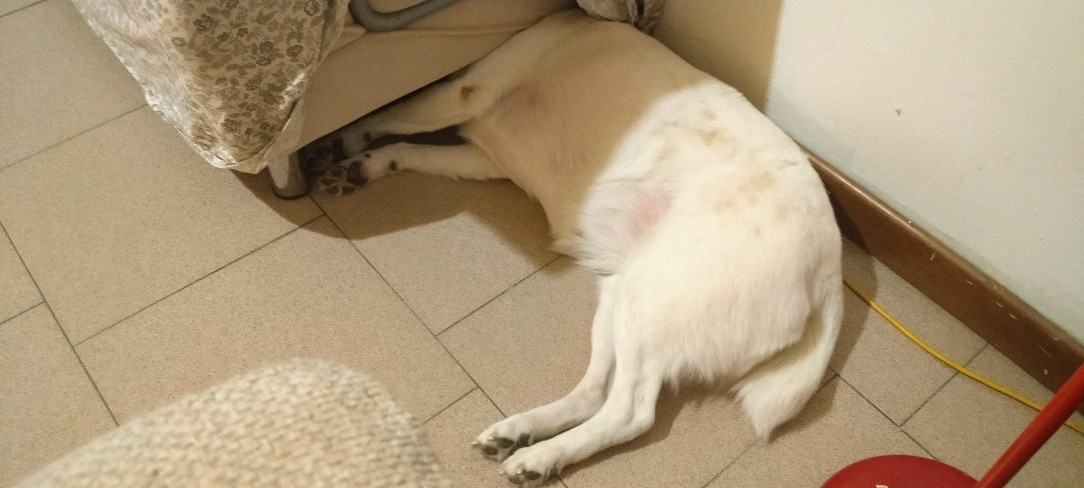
724	205
783	213
710	137
466	91
756	231
756	184
707	114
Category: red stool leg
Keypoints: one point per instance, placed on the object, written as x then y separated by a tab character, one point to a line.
1050	418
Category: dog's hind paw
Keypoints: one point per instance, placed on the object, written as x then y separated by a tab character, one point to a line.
498	447
531	466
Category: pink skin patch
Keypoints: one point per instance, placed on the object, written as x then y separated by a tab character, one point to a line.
646	213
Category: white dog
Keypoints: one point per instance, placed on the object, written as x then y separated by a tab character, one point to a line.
716	247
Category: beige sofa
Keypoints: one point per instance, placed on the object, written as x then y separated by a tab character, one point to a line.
367	69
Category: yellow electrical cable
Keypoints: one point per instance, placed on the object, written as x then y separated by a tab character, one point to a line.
954	365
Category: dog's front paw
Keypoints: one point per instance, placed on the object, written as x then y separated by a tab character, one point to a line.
532	466
347	175
379	163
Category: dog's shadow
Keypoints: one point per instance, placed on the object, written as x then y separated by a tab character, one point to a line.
410	200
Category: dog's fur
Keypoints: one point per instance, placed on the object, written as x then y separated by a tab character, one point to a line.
716	247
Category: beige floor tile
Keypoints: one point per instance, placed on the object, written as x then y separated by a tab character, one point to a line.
8	6
48	406
696	434
308	294
530	346
17	290
540	329
450	434
123	215
447	247
880	362
969	426
837	427
994	366
57	79
922	316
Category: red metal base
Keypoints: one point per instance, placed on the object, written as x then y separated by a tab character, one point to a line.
899	471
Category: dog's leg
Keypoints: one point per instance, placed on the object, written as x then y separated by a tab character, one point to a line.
439	106
501	439
459	100
629	411
463	161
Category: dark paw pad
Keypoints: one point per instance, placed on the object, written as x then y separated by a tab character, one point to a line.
393	165
354	176
489	450
505	443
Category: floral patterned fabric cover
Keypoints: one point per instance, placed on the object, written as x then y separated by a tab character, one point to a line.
227	74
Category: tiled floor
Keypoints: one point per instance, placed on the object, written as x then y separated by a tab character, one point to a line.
131	273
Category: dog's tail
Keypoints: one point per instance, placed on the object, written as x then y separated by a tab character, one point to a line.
776	390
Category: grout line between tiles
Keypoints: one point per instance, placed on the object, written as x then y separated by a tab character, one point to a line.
731	463
491	402
408	307
973	356
446	407
20	9
436	336
754	442
84	366
32	307
874	405
20	161
919	444
201	278
927	400
513	285
938	390
899	427
63	333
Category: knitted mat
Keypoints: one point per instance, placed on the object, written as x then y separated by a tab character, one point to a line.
303	423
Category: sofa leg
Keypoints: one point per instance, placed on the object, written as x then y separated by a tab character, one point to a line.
287	179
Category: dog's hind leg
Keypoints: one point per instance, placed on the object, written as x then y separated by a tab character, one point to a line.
501	439
458	100
629	410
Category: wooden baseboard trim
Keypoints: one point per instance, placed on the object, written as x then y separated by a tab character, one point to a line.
996	314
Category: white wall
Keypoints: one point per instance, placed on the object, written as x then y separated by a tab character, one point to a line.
966	116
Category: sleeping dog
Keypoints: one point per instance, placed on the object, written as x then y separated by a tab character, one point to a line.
717	252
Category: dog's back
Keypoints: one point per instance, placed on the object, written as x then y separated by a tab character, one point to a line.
719	230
